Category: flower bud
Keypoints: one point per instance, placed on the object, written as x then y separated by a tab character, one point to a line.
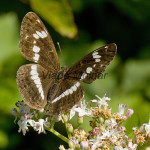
77	147
69	127
83	133
61	147
101	119
71	144
14	111
65	118
84	145
80	120
96	131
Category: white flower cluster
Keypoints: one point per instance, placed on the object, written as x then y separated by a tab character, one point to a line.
107	131
27	118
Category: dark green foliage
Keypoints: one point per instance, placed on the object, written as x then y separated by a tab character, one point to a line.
126	23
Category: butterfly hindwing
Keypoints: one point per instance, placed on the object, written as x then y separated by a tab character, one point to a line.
70	92
33	83
36	44
90	67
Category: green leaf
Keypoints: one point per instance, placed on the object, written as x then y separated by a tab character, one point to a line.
3	139
136	75
9	37
136	10
58	14
9	95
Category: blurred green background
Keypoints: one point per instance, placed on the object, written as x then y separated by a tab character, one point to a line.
80	26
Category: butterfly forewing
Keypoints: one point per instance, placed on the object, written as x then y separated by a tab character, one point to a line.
92	65
34	82
36	44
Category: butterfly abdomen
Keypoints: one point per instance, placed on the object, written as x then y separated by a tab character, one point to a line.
52	92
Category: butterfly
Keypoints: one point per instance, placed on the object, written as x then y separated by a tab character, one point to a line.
45	82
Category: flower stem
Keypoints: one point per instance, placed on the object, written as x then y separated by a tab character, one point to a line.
52	124
69	135
58	134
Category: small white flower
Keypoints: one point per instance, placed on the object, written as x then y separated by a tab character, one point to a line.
112	135
110	123
57	118
72	111
22	126
134	128
23	108
120	148
14	112
96	143
82	110
84	145
132	146
47	123
147	128
75	140
101	101
122	109
39	126
129	113
24	122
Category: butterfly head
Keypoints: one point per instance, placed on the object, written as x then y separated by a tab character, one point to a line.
61	73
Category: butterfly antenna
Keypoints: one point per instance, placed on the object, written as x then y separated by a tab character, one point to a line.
61	52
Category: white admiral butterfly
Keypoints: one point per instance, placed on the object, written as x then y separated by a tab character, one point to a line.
45	82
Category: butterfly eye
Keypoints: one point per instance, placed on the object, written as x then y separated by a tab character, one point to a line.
60	75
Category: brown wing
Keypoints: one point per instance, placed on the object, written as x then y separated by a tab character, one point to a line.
70	92
33	83
88	69
92	65
36	44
